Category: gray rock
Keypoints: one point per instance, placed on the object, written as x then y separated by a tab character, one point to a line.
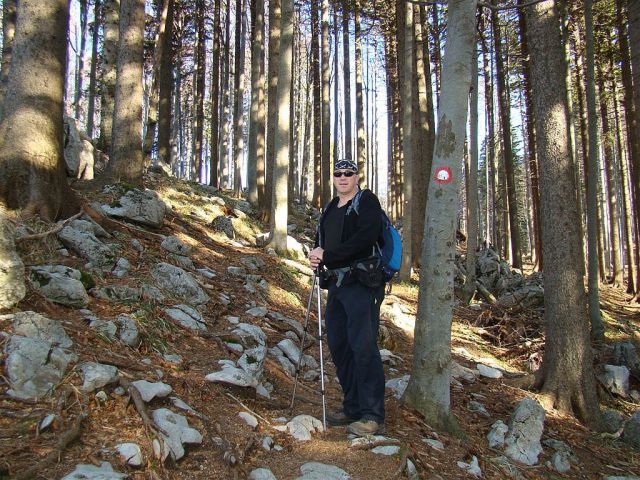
182	261
460	371
613	420
616	477
80	236
267	443
386	450
252	263
91	472
174	245
478	408
151	293
237	271
286	365
143	207
488	372
223	224
122	267
12	287
233	376
525	430
187	316
527	296
294	324
129	334
136	245
433	443
34	366
252	361
172	358
322	471
60	284
244	206
398	385
183	406
150	390
179	283
261	474
107	328
33	325
79	153
302	426
249	419
96	375
615	379
560	462
207	273
624	353
309	362
631	432
130	454
369	440
257	311
251	335
117	293
290	349
178	432
472	468
563	456
497	434
46	422
388	356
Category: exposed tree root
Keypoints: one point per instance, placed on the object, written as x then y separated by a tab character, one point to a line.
65	440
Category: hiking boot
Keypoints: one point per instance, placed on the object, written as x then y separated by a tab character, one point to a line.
365	427
339	418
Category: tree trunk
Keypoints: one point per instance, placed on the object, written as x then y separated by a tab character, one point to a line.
326	110
84	14
280	207
425	135
634	50
272	117
473	204
91	100
346	72
316	88
214	138
491	237
238	98
126	162
532	163
507	150
8	32
617	270
597	327
32	168
408	66
165	77
633	147
361	153
108	77
199	91
255	148
429	387
566	378
436	51
226	100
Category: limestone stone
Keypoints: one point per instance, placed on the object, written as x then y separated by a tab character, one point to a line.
97	375
150	390
91	472
179	283
177	433
525	430
143	207
60	284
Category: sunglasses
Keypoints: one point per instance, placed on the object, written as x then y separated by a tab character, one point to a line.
346	174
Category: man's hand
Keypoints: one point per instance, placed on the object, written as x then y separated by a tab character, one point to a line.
315	257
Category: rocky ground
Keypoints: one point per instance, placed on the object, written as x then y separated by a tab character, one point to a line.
157	340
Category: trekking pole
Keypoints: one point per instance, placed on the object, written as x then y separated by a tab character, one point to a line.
324	408
304	338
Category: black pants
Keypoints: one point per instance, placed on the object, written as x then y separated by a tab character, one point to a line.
353	319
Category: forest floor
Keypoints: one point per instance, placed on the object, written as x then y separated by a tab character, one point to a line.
508	339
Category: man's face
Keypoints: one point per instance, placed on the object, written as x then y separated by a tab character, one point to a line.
343	183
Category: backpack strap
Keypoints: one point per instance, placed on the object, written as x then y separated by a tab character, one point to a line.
355	203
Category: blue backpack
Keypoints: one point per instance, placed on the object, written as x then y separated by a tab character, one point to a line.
391	250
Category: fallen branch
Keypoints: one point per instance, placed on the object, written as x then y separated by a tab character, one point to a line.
376	443
247	408
65	440
149	425
59	226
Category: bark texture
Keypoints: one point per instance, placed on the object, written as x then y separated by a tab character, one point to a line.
429	388
566	378
32	172
126	163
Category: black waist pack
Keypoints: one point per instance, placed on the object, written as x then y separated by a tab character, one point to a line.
368	271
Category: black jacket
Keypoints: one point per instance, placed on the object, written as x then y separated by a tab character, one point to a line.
360	232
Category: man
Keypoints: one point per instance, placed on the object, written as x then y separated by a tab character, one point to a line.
346	235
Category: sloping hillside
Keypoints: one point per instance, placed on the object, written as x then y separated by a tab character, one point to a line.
236	316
